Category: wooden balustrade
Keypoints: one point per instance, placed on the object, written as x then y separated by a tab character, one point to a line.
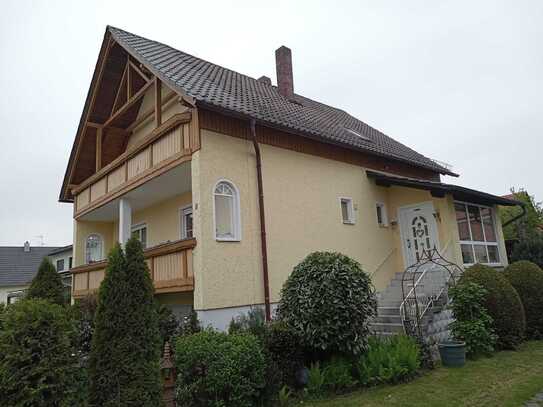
170	265
167	146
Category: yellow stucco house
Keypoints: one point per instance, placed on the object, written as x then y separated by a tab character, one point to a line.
230	181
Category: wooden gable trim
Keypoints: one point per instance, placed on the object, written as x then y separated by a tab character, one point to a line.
217	122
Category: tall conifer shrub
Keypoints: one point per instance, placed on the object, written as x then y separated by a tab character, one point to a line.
125	353
47	284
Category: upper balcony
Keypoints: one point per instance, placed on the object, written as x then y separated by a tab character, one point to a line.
165	148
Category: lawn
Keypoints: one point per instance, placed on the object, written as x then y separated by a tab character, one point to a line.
506	379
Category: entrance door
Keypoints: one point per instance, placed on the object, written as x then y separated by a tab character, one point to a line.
418	230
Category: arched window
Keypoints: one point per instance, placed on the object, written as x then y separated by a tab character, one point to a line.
94	248
226	211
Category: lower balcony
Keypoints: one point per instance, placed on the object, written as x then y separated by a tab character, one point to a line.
170	265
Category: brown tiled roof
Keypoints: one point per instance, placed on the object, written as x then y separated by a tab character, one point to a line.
219	88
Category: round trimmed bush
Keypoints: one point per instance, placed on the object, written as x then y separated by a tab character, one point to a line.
217	370
37	362
502	303
328	301
527	278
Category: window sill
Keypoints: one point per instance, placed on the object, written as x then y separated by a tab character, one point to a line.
349	222
224	239
484	264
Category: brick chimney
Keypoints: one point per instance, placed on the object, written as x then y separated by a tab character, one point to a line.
283	65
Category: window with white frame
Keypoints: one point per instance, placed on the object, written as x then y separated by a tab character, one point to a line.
186	223
140	232
347	210
226	211
477	231
94	248
60	265
381	213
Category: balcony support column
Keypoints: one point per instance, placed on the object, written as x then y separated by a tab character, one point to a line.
125	221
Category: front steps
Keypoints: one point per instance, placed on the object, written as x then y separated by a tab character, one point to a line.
388	320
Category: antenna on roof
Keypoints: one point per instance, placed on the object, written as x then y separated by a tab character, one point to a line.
41	239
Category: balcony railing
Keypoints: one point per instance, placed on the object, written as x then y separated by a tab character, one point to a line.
170	265
164	148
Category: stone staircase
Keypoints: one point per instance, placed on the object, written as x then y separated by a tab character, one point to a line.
388	320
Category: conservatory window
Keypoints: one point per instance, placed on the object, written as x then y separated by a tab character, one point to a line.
477	232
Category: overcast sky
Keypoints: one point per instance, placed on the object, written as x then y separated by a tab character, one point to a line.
459	81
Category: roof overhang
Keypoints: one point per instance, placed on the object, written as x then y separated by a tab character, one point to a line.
440	190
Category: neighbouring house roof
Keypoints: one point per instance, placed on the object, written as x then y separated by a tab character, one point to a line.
62	249
439	189
18	267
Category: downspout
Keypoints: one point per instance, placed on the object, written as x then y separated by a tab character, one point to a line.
262	222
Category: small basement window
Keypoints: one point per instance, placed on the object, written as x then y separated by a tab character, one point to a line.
381	212
347	210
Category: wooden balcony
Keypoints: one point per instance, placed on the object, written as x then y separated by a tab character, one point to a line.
170	265
163	149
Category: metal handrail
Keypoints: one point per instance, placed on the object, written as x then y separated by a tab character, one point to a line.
429	260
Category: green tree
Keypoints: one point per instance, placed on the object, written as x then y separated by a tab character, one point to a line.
37	362
527	227
47	284
125	353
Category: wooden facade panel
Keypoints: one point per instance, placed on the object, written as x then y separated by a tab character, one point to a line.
98	189
167	146
80	281
83	198
168	267
139	163
239	128
95	278
186	136
190	270
116	177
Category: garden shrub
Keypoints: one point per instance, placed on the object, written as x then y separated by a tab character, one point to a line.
125	353
47	284
283	348
329	301
253	322
168	325
219	370
472	324
83	312
502	303
529	249
527	278
37	365
390	360
338	376
190	324
315	380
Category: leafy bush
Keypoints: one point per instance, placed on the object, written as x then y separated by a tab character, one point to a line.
284	396
219	370
47	284
502	303
529	249
83	312
338	375
527	278
283	349
329	301
472	323
253	322
168	325
125	354
315	380
190	324
390	360
37	366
